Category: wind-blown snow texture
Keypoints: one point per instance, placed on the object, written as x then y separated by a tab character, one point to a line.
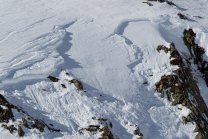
110	46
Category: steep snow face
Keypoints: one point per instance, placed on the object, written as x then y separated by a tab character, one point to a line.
138	37
110	46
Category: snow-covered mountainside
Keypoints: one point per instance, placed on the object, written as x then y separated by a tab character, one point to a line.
102	62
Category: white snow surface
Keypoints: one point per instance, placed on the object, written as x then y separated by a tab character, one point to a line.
110	46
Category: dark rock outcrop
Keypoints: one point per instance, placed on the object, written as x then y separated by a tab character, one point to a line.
63	85
106	133
54	79
181	16
183	89
173	51
157	0
20	131
176	61
137	132
25	123
7	114
171	3
147	3
162	47
77	83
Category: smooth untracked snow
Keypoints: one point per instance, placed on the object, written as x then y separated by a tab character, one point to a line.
110	46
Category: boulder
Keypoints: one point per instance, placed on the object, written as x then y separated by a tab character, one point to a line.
173	52
199	136
206	77
77	83
157	0
20	131
189	39
169	96
63	85
107	133
178	98
25	123
12	128
162	94
181	16
171	3
176	61
197	128
147	3
54	79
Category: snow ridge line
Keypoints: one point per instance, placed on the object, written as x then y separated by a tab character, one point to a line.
123	24
62	48
121	27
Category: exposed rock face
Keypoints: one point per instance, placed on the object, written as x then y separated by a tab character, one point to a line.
199	136
171	3
11	128
157	0
77	83
107	133
54	79
94	128
39	125
189	40
184	89
7	114
206	77
111	125
147	3
173	51
91	128
198	16
20	131
166	82
63	85
137	132
162	47
181	16
197	129
25	123
176	61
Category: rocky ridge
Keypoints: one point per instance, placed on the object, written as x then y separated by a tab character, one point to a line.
181	87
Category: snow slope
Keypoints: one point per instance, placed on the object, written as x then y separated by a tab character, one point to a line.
110	46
